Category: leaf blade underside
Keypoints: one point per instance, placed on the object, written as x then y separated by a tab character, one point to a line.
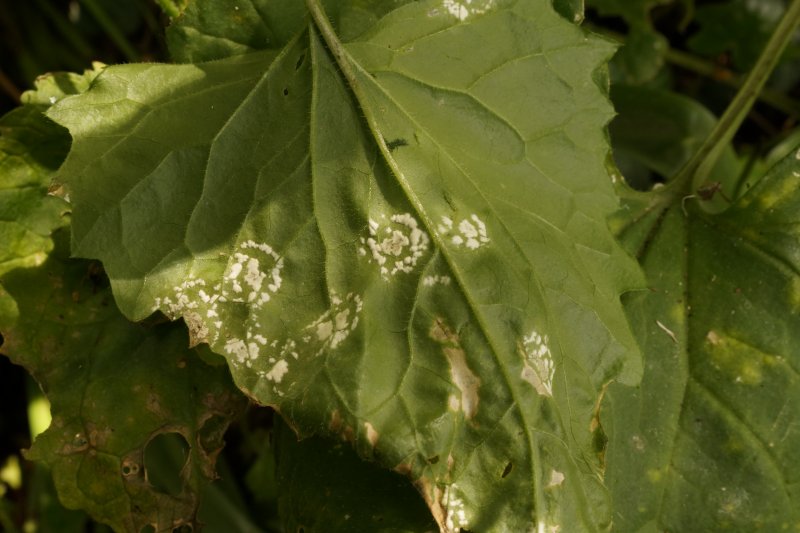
433	292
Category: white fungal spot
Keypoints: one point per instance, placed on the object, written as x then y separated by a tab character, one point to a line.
262	268
538	368
238	349
397	247
430	281
556	479
252	276
470	232
463	9
278	371
456	516
454	402
335	324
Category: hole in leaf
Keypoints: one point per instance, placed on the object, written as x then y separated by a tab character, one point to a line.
186	528
148	529
130	468
433	460
285	91
164	458
299	62
507	470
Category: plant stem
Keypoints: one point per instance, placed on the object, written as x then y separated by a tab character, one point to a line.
701	164
169	7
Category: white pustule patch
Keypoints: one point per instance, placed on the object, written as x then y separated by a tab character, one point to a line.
538	369
253	275
556	479
335	324
456	514
430	281
396	245
470	232
279	369
463	9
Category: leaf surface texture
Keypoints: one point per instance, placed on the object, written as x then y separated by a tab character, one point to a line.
385	238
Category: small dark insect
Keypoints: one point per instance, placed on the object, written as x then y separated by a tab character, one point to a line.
395	144
706	193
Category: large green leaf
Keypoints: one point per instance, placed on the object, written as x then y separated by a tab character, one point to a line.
709	441
114	387
395	233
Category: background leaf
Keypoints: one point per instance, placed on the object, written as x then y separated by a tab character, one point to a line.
209	30
114	387
325	487
32	147
656	132
708	442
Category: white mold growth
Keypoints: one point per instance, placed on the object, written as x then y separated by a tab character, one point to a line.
254	274
396	246
456	515
430	281
538	369
278	371
470	232
335	324
556	479
252	277
463	9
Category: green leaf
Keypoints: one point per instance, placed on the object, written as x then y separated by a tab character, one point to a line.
386	240
113	387
709	440
325	487
32	147
641	57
